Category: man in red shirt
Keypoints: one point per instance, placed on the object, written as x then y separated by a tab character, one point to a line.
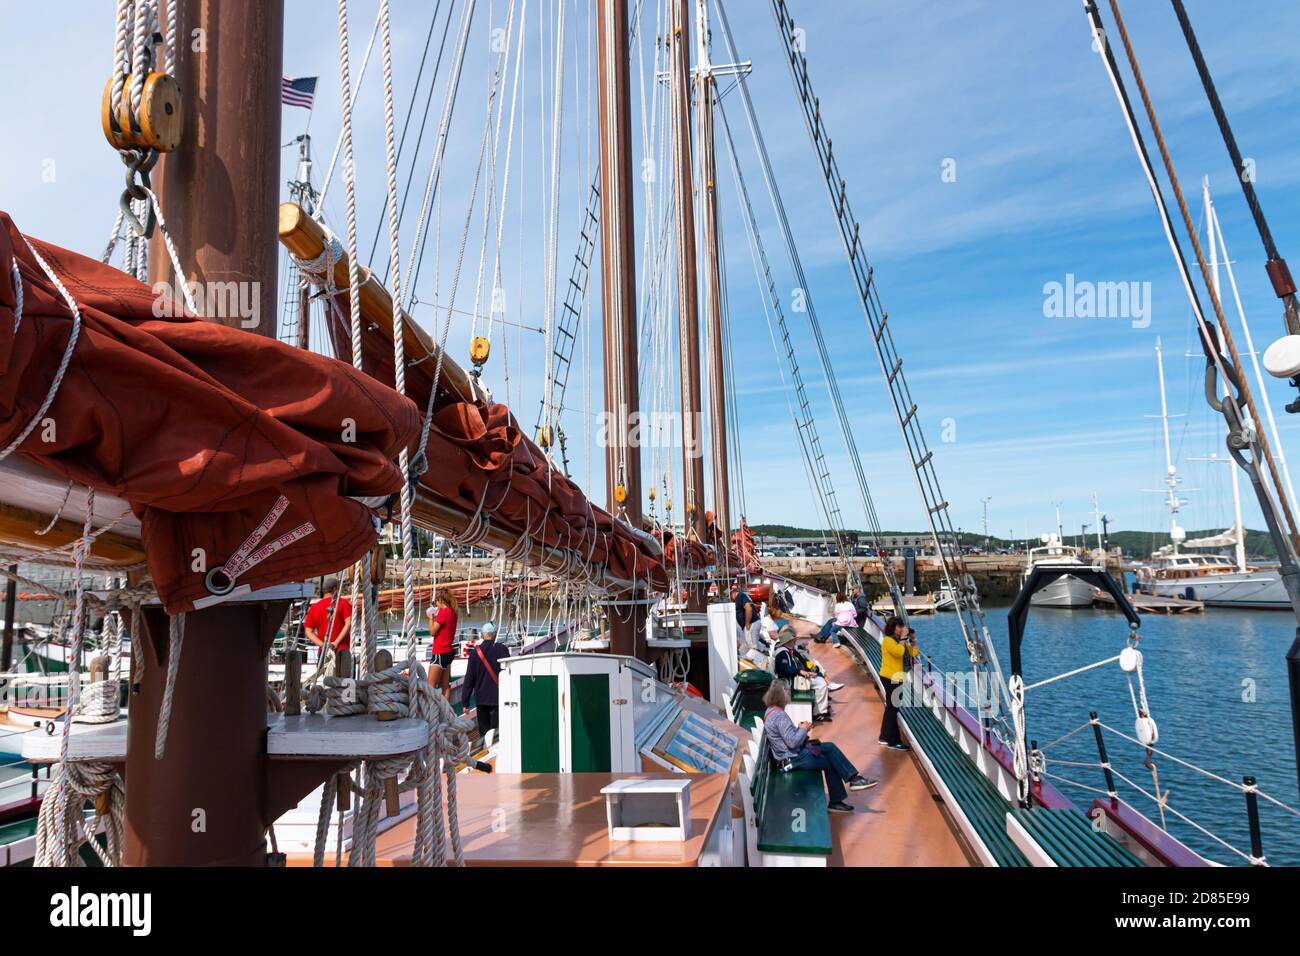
318	619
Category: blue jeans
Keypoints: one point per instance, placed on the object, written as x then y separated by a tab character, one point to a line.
828	630
835	767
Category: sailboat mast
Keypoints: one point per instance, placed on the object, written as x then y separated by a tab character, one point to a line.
1238	531
688	305
712	279
219	192
1096	515
618	295
1171	473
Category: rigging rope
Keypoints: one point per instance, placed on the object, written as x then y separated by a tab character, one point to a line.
1276	266
1239	382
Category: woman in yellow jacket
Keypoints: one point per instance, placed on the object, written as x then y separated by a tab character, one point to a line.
899	641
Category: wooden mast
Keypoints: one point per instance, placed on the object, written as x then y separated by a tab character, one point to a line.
210	798
618	297
688	305
713	283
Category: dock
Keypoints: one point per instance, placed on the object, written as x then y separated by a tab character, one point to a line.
1151	604
914	603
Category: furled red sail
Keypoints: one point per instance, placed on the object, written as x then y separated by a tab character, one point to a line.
479	459
200	427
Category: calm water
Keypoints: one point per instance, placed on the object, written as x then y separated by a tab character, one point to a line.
1198	669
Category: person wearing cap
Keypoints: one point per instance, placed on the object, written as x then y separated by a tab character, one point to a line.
789	664
482	679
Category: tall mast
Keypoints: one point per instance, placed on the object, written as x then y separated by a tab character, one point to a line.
712	279
209	799
1171	473
1238	530
220	191
1096	516
618	295
688	305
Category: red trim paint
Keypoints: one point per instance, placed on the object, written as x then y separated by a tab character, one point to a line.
19	809
1165	848
1156	841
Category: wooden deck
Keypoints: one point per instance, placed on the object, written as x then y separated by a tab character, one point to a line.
551	820
900	822
1151	604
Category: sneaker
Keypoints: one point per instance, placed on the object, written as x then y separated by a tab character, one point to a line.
862	783
899	747
834	687
839	806
822	719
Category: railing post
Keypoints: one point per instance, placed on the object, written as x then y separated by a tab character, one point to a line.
1252	811
1033	772
1101	751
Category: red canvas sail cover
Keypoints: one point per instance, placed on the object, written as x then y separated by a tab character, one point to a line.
200	427
479	458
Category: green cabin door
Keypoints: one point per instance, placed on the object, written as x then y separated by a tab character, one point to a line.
539	723
589	732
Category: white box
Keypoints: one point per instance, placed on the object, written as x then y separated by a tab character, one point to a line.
657	811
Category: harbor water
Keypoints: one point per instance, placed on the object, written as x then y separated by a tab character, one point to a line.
1217	688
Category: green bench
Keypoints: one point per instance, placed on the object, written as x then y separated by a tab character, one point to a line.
1067	838
794	827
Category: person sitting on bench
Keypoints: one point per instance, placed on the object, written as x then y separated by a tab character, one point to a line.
845	616
792	750
789	664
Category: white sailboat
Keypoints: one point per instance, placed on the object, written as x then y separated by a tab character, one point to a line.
1216	580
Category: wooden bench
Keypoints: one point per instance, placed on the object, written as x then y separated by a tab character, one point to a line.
794	827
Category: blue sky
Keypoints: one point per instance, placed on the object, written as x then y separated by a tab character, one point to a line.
1045	409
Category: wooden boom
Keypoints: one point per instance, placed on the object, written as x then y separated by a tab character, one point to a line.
305	238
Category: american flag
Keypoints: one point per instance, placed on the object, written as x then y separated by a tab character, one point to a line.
299	92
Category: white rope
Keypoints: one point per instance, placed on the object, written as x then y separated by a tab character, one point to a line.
338	143
1077	670
1162	804
439	149
349	183
17	278
62	837
175	639
399	344
178	272
1020	760
63	362
1201	770
61	827
98	703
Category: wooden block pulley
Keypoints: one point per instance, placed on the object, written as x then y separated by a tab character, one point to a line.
161	118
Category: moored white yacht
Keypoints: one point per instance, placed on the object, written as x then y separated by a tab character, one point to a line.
1215	580
1067	590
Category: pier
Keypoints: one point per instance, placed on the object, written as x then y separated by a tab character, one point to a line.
997	576
1152	604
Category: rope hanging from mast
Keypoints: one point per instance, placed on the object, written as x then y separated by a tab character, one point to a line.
1212	337
1278	273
